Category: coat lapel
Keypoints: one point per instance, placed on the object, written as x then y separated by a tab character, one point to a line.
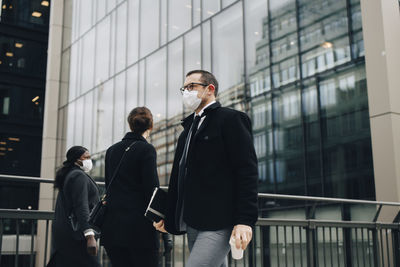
208	112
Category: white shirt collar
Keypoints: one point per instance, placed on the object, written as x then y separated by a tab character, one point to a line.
202	110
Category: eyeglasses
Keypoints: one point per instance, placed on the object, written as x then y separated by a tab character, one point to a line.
191	86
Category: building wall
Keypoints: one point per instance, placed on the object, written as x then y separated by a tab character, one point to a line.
296	67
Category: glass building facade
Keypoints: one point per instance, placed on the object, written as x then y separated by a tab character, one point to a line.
296	67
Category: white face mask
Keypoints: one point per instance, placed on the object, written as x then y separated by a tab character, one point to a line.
190	99
87	165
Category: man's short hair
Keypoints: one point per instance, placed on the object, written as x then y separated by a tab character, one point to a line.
207	78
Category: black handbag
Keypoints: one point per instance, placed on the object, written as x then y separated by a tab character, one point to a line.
98	213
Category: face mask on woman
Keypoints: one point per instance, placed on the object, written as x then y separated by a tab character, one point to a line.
87	165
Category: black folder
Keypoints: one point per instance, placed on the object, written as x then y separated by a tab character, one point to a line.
156	209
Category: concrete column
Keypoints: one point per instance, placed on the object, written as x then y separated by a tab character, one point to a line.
381	30
48	163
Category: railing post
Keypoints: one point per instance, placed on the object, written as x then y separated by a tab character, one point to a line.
375	241
17	244
396	245
310	230
1	238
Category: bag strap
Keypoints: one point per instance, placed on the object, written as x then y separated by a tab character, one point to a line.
117	169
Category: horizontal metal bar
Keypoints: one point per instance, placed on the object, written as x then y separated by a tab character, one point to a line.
281	222
26	214
325	223
324	199
16	178
260	195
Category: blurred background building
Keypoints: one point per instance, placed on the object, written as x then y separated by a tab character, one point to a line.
24	28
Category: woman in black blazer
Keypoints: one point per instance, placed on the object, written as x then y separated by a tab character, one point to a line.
128	237
74	241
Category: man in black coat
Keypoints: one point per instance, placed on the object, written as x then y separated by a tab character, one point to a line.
213	186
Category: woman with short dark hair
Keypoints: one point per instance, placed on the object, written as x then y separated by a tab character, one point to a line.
74	241
128	237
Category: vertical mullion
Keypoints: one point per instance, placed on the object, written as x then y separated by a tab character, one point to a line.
350	28
245	74
303	126
211	44
160	22
193	12
272	98
321	149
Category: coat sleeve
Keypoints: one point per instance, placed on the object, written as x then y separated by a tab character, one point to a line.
77	190
243	161
149	171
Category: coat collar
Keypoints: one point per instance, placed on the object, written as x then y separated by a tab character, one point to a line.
188	120
134	136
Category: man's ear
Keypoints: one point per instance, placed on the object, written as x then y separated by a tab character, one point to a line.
211	88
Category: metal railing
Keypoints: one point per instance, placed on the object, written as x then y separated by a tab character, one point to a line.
301	233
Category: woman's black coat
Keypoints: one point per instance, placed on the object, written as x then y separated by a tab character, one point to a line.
129	194
78	196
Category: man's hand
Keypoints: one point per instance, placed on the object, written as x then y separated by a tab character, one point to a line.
91	245
242	235
160	226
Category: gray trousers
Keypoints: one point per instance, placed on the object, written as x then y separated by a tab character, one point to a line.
208	248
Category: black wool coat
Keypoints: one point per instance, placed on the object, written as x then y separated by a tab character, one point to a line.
78	196
129	194
220	189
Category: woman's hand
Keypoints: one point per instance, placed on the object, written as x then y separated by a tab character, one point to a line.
160	226
91	245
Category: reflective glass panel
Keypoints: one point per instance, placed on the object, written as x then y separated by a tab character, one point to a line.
149	26
131	91
119	107
179	17
227	31
88	61
156	91
121	37
104	113
175	78
87	116
193	50
210	7
133	31
102	51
